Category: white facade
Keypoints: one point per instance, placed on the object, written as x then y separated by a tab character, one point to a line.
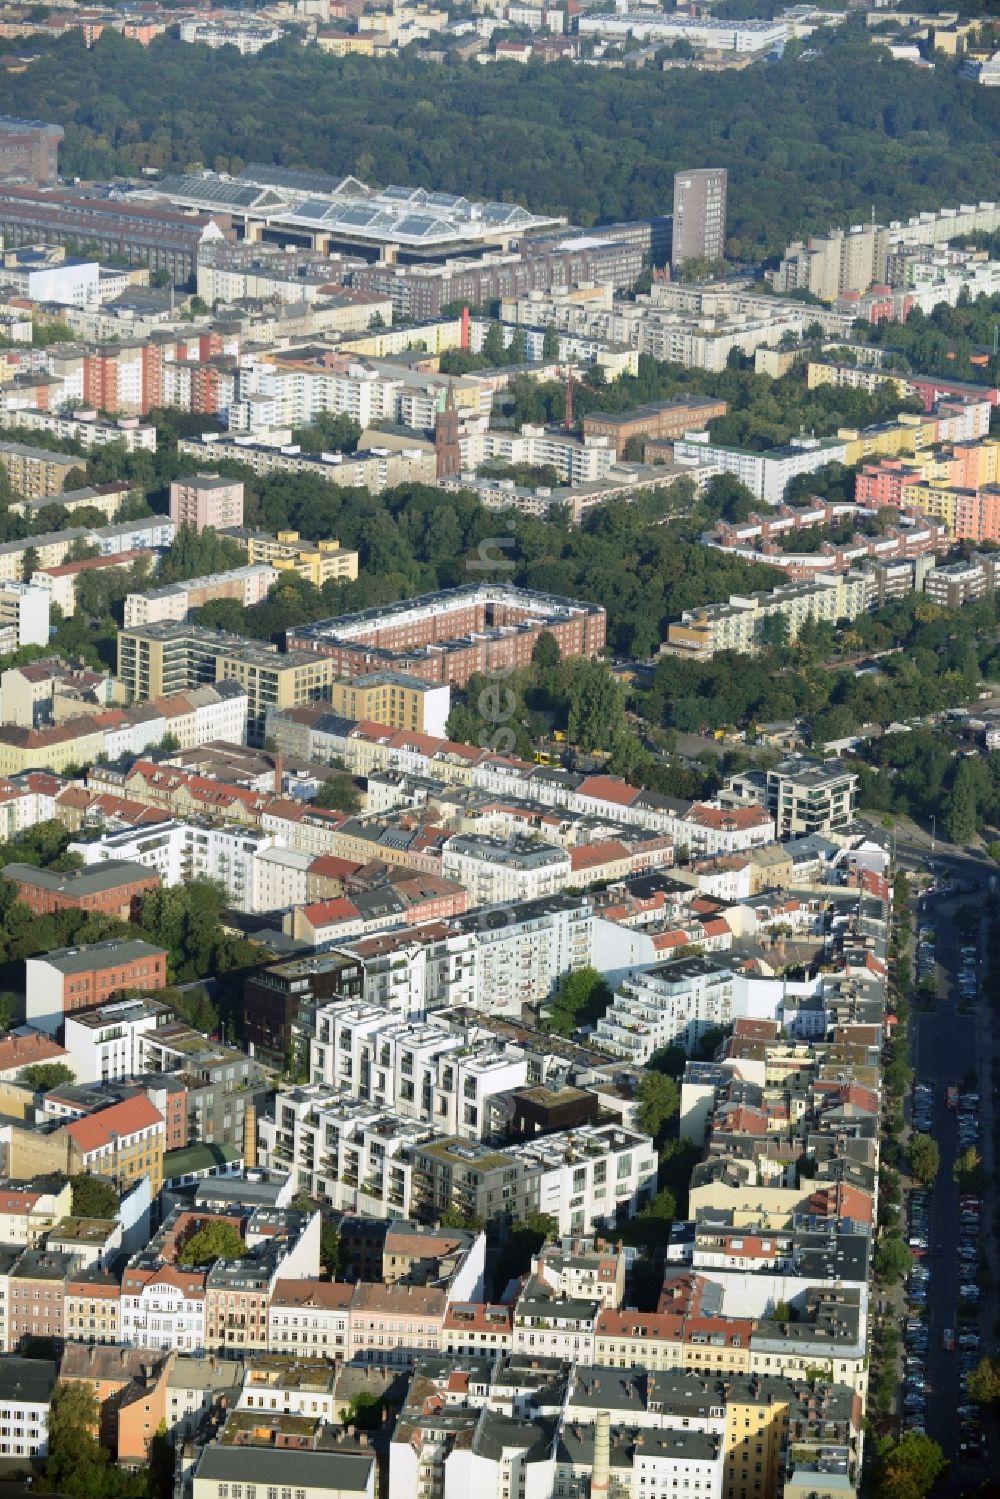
346	1154
421	1071
496	872
106	1045
24	1407
183	851
766	475
24	609
280	878
673	1004
165	1313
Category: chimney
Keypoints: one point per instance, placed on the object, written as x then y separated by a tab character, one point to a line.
465	327
602	1456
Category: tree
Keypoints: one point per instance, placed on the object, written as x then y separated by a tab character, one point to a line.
218	1240
45	1075
550	342
669	1059
581	999
659	1100
9	1006
782	1312
75	1461
364	1411
924	1158
969	1171
30	563
908	1468
453	1217
961	820
546	653
338	794
774	630
596	706
892	1259
330	1249
93	1197
984	1382
523	1243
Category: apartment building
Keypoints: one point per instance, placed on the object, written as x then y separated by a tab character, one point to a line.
744	623
805	797
255	445
124	1141
699	215
497	871
78	978
959	583
170	657
27	1385
828	265
29	1210
104	1044
206	500
277	997
246	585
418	1070
92	1306
349	1155
767	475
447	636
24	616
318	562
395	698
36	472
586	1179
671	1004
36	1289
309	1319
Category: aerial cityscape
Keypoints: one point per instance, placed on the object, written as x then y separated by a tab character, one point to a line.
499	749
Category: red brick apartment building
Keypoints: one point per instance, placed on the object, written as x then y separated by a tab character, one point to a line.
113	888
449	636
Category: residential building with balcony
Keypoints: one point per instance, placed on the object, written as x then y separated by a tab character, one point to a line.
670	1004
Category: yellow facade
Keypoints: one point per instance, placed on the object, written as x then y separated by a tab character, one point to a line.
318	562
908	434
57	756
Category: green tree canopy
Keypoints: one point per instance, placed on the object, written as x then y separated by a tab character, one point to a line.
581	999
338	794
93	1197
218	1240
924	1158
45	1075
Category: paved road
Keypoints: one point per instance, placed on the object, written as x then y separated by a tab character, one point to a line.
947	1046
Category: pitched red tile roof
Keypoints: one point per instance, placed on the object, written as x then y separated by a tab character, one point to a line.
96	1131
608	789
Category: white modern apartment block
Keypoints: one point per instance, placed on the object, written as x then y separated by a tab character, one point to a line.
767	475
419	1070
589	1178
673	1004
24	615
105	1044
523	950
494	870
346	1154
183	851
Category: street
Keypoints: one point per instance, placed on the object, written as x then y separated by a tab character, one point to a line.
946	1047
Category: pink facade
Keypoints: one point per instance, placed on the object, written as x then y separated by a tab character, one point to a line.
206	501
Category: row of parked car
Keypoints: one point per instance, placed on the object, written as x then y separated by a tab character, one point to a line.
926	952
968	975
